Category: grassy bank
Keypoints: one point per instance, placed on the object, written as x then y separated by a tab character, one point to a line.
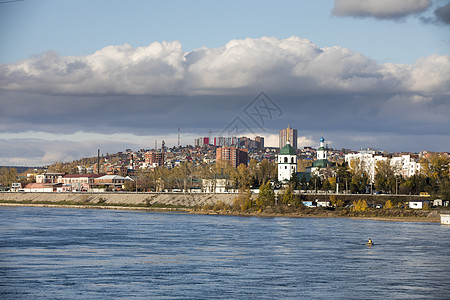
405	215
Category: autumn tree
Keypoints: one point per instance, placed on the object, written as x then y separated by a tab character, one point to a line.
287	197
243	201
360	205
388	204
266	196
8	176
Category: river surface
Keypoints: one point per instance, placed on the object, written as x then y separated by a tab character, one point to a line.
66	253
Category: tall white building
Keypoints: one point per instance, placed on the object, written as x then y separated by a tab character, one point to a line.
287	162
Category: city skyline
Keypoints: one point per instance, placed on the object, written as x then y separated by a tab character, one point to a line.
366	74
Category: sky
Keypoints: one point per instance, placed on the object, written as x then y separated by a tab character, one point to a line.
77	76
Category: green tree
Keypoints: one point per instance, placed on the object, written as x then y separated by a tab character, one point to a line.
266	196
304	183
385	176
287	197
294	182
344	176
326	185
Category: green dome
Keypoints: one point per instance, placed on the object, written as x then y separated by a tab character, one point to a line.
288	150
322	163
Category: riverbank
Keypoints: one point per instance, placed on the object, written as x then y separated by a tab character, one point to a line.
121	199
203	204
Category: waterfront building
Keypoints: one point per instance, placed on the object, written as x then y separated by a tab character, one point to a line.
288	134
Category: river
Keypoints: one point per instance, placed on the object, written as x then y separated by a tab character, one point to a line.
67	253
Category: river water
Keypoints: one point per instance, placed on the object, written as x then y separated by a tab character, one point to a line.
64	253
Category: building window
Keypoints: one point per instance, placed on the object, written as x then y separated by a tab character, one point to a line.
285	160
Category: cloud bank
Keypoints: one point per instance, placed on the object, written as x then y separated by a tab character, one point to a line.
443	14
153	90
379	9
163	69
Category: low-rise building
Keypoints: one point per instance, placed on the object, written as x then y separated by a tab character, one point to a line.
79	182
40	188
113	182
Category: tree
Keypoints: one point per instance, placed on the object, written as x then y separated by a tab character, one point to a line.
385	176
8	176
315	183
336	201
343	177
294	183
287	197
358	183
266	196
243	175
243	201
360	205
326	185
388	204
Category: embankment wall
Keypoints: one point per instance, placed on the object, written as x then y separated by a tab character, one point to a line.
176	199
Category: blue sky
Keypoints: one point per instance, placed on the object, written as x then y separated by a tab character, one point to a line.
80	75
31	27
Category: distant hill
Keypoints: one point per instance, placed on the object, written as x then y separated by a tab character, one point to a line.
21	169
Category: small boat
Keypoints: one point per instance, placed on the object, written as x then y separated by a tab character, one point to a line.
370	243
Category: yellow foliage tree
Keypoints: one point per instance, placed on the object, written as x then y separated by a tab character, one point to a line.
360	205
388	204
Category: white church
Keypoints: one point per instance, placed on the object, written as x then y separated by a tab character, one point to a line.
287	162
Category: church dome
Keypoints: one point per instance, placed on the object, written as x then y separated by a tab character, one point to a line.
288	150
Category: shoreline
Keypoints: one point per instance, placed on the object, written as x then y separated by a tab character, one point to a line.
188	210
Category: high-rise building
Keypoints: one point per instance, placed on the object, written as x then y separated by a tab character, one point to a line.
154	158
202	141
233	155
226	141
292	137
259	142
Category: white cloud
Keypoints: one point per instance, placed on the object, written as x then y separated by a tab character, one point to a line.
163	69
380	9
124	97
